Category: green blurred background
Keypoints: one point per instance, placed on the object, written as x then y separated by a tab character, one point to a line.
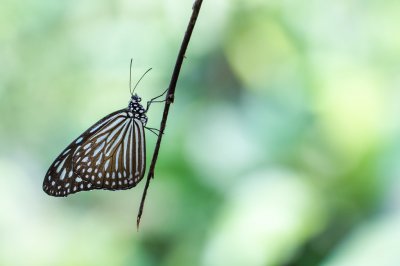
282	147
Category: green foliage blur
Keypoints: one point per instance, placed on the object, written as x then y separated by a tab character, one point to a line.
282	146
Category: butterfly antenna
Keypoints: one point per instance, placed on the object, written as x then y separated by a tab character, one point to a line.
130	78
141	79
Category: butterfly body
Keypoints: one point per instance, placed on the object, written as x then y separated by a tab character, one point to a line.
109	155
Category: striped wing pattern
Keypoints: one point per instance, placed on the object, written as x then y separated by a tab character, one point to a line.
109	155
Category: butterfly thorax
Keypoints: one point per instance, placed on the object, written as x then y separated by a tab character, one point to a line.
136	110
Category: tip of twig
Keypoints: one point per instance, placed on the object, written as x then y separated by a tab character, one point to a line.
137	223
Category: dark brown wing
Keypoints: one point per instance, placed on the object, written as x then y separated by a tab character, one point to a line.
114	157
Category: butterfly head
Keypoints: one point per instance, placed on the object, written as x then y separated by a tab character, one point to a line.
135	98
134	104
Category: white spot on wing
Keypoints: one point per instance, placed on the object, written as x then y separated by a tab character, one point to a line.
142	146
106	164
117	157
136	139
99	160
63	174
125	144
101	138
61	164
98	149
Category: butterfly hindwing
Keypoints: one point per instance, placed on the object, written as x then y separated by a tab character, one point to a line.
113	157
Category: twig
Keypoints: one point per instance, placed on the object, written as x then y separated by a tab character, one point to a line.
169	98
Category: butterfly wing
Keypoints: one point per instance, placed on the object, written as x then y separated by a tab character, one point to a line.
64	177
113	158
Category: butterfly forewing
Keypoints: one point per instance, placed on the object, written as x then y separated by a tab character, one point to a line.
60	179
109	155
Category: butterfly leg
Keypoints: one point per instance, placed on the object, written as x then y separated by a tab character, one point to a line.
154	100
153	130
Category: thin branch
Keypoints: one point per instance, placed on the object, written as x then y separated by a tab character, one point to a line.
169	98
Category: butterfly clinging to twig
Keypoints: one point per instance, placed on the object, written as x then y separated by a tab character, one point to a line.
109	155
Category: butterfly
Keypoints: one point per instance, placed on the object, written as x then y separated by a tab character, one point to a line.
110	155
